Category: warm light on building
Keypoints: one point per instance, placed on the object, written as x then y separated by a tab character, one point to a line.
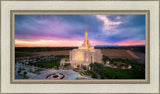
79	57
85	54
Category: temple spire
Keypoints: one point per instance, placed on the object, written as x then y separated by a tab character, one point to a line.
86	36
86	44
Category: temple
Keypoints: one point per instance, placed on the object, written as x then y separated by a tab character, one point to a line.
84	55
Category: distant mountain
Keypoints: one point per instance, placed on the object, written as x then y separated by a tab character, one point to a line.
119	46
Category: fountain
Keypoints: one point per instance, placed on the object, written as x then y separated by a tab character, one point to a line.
55	76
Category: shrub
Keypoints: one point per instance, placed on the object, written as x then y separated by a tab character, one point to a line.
94	76
84	68
19	71
25	73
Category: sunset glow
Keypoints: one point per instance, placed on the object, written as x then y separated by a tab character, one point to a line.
68	30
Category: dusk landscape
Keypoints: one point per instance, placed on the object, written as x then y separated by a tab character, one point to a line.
79	47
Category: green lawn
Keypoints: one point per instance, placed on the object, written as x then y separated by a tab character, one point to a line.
124	74
114	73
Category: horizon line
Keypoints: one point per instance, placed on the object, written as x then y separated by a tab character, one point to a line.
94	46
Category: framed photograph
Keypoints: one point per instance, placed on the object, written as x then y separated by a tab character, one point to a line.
80	46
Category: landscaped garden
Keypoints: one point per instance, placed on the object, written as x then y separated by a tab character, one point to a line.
137	71
97	70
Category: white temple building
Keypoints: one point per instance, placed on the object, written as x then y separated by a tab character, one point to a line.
84	55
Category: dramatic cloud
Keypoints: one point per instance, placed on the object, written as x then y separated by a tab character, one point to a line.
68	30
108	24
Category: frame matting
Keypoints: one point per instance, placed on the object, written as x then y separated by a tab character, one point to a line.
10	8
76	12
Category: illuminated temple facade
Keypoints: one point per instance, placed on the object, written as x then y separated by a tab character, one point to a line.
85	54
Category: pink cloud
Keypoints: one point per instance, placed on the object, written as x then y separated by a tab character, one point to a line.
71	43
130	42
48	43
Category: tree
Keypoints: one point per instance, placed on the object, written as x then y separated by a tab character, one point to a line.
19	71
25	73
84	68
104	60
91	65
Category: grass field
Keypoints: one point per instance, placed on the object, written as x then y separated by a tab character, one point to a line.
43	49
126	52
22	55
118	53
113	73
124	74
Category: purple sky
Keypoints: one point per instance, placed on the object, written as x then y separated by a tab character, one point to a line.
68	30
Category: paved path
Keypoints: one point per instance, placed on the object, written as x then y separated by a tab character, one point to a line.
69	74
